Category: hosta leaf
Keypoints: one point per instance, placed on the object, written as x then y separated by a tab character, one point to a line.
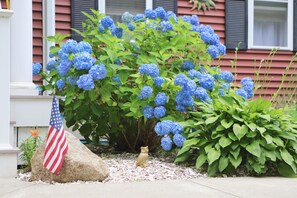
268	138
223	163
287	157
224	141
266	117
212	155
271	155
220	128
235	152
213	169
235	162
227	124
278	141
187	145
254	148
261	129
200	160
182	158
240	131
232	136
252	126
286	171
211	120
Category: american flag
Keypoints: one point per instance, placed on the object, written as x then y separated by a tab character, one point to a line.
56	143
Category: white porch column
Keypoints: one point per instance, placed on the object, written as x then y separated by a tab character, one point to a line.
8	154
21	49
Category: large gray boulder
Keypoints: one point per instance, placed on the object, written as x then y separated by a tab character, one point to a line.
79	164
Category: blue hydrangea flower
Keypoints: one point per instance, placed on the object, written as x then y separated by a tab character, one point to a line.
70	46
84	47
166	143
222	49
194	28
208	38
149	69
62	55
247	84
161	13
178	140
118	32
250	94
186	18
145	92
101	28
151	14
242	93
72	80
160	99
52	55
86	82
60	83
107	22
118	61
116	79
139	18
194	73
181	108
187	65
227	76
184	98
159	81
191	87
163	128
171	14
148	111
83	61
194	20
36	68
205	28
39	89
64	67
201	94
159	112
166	26
98	72
131	27
181	79
213	51
127	17
176	128
207	81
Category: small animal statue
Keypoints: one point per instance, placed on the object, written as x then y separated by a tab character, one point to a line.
142	157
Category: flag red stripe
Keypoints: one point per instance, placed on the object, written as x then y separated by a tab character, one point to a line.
53	147
60	158
57	153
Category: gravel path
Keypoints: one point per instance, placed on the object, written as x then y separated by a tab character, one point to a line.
122	169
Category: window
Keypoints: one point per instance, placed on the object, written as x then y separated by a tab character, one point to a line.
261	24
116	8
113	8
270	24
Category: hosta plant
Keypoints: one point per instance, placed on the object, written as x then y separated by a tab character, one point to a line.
231	132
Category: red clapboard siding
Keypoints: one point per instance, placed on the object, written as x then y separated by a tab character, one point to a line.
63	16
248	61
37	30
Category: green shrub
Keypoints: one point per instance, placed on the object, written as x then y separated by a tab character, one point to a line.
231	132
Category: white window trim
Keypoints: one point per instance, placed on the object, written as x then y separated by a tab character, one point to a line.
251	26
101	5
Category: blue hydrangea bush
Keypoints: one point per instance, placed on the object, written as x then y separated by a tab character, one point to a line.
149	81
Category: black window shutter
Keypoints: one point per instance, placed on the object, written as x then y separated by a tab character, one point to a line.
295	26
236	24
168	5
77	6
